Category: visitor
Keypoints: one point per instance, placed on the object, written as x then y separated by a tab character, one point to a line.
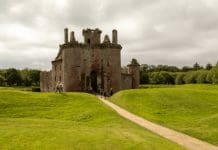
111	91
57	87
61	86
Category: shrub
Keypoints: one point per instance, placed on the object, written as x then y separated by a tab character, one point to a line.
190	77
180	78
202	77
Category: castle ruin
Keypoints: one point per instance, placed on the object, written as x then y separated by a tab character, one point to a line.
93	64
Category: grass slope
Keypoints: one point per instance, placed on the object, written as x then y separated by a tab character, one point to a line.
68	121
192	109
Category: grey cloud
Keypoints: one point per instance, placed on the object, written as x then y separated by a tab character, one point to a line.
183	31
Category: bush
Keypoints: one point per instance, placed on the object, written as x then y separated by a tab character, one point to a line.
180	78
214	75
190	77
144	78
2	80
202	77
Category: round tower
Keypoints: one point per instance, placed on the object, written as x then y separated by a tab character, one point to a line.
133	69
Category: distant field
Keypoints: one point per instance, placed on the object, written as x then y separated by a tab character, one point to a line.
192	109
38	121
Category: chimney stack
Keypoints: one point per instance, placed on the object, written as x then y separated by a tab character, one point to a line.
72	38
66	35
114	36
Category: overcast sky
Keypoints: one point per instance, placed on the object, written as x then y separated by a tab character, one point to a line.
172	32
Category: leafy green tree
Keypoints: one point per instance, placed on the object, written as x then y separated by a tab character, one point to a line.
2	80
144	78
209	77
26	77
155	78
180	78
186	69
13	77
214	75
209	66
190	77
202	77
167	77
196	66
144	68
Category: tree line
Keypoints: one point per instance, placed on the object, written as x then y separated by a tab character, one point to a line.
164	74
16	77
149	74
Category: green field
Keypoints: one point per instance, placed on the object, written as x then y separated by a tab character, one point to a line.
68	121
192	109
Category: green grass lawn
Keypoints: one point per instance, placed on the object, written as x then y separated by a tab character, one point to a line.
68	121
192	109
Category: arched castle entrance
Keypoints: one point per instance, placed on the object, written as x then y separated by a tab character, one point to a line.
94	84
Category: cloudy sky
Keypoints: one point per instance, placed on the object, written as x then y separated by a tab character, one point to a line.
172	32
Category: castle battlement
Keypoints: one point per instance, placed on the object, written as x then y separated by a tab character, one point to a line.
92	39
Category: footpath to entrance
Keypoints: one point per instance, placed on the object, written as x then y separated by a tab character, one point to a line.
177	137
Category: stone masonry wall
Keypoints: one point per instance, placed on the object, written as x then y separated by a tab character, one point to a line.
126	80
46	81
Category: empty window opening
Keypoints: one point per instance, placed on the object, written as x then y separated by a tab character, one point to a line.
88	41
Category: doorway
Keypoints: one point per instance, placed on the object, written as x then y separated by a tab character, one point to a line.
94	81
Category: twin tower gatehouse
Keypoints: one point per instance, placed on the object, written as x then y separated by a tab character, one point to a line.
91	66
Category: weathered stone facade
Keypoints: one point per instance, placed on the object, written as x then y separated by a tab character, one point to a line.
89	66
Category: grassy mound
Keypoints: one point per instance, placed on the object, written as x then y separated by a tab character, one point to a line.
68	121
192	109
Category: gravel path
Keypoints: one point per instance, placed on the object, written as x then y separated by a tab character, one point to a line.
177	137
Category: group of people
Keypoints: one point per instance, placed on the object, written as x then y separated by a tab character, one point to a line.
103	93
59	88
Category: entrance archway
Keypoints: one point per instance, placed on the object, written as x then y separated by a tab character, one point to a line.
94	81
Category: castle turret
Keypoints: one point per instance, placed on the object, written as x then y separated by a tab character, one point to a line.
106	40
114	36
133	69
92	37
66	35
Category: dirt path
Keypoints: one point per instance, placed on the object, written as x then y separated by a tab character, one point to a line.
177	137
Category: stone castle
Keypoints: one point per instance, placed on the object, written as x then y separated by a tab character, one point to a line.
91	65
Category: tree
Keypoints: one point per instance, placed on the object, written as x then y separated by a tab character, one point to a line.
214	75
186	69
35	77
180	78
2	80
196	66
144	78
190	77
209	66
202	76
144	68
209	77
13	77
167	77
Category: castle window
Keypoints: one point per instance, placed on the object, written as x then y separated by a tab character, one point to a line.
88	41
55	78
60	78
